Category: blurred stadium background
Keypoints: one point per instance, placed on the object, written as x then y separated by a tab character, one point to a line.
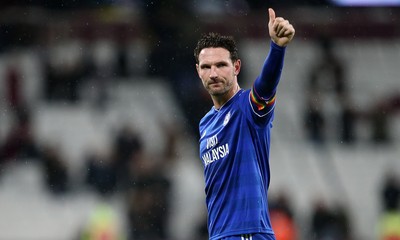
100	102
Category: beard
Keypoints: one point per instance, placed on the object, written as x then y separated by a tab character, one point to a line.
218	87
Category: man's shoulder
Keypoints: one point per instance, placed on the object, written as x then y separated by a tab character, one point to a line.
207	115
244	93
241	97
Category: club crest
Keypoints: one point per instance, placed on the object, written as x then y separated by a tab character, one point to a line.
227	118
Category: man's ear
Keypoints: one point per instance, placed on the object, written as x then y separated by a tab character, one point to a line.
197	69
237	64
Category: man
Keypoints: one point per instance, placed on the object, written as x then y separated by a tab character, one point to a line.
235	134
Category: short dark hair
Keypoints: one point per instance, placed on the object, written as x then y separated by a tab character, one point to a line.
215	40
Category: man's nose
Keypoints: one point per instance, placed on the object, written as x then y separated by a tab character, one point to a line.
213	72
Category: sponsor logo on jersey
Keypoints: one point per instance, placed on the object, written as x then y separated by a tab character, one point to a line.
214	151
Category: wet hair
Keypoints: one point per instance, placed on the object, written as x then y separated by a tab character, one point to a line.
215	40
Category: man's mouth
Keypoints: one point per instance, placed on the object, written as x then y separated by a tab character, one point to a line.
214	83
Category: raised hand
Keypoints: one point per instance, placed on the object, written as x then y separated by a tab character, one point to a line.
280	30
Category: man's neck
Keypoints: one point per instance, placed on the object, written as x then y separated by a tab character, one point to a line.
219	101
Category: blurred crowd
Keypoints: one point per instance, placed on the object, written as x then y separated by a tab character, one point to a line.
83	54
81	67
333	221
329	84
126	170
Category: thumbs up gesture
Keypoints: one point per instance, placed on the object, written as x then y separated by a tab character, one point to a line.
280	30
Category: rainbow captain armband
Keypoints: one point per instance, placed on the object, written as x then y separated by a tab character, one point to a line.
259	102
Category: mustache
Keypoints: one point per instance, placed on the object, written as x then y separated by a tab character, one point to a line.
215	80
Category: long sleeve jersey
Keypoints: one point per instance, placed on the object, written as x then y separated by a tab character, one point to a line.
234	149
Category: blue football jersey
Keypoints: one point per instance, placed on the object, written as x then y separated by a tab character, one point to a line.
234	148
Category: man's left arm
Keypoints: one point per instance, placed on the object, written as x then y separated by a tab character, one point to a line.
264	88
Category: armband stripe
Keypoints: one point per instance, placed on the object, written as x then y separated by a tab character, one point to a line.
271	101
259	102
255	100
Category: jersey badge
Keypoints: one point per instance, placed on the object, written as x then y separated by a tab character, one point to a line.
227	118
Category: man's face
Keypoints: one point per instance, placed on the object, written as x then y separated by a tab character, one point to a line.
216	70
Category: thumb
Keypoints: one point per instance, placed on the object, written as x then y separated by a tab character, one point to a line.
271	13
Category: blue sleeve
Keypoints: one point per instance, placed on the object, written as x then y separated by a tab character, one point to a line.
265	85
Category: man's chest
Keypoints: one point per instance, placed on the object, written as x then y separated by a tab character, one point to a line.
218	135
